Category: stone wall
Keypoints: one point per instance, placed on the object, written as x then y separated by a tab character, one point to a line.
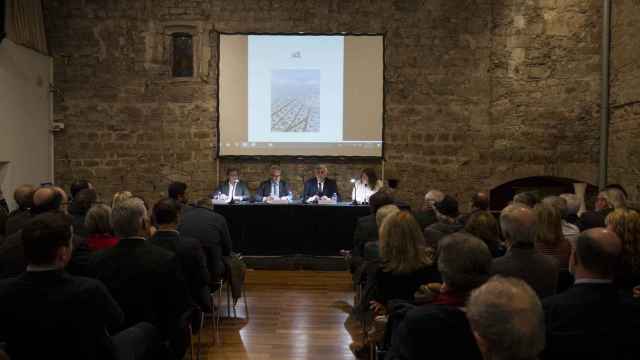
478	92
624	144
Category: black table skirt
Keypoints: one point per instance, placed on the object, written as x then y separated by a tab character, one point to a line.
270	230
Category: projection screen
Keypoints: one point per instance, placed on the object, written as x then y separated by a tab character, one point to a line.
300	95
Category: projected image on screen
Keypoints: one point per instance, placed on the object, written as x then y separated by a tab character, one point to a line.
295	100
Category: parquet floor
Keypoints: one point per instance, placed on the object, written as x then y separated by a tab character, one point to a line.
290	318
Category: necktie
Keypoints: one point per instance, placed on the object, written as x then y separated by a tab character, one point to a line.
233	191
320	187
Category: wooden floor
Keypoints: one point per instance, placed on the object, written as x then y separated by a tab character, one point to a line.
290	318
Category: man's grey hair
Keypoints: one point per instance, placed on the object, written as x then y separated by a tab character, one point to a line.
558	202
506	313
127	217
518	224
434	196
573	203
464	261
615	198
383	212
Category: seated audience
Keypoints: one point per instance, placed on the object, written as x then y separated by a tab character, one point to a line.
479	202
82	202
44	308
119	197
367	185
78	186
177	191
522	260
626	224
274	188
525	198
202	223
427	215
23	197
320	186
233	189
503	319
372	249
98	226
188	250
590	320
366	230
549	237
447	214
144	279
607	200
484	226
570	220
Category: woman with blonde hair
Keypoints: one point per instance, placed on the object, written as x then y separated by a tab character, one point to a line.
549	237
119	197
626	224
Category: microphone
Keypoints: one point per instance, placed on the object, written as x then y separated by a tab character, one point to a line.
354	201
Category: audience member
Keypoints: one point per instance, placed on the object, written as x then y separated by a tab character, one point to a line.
79	207
522	260
479	202
590	320
447	214
4	206
549	238
607	200
571	221
78	186
98	226
119	197
144	279
178	191
483	225
23	197
372	248
366	230
188	250
526	198
626	224
44	308
427	215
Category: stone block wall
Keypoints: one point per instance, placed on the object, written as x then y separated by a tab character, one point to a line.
624	141
477	92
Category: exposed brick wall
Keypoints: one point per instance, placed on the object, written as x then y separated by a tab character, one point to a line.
624	144
478	92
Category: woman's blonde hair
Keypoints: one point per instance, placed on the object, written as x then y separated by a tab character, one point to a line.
402	247
626	224
119	197
549	224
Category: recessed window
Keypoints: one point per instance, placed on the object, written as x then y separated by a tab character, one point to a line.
182	55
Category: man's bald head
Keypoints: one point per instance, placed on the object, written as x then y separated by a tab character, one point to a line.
23	195
518	224
480	201
46	199
597	251
432	197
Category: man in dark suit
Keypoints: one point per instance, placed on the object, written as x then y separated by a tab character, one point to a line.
522	260
591	320
23	196
83	200
274	188
189	251
427	215
144	279
320	186
45	308
234	189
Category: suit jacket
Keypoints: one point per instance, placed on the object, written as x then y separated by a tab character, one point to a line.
192	263
264	189
16	221
591	321
425	218
241	190
523	261
329	188
53	315
146	281
366	231
212	231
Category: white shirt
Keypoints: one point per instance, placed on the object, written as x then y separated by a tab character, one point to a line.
361	191
232	188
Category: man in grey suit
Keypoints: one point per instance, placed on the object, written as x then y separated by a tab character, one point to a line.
234	189
522	260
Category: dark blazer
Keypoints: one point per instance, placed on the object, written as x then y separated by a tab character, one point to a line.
16	221
53	315
523	261
591	321
329	188
366	231
146	281
241	189
192	262
265	189
212	231
425	218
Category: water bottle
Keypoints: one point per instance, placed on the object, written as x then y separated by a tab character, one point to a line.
334	198
290	196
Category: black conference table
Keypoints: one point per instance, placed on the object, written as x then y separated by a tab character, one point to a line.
260	229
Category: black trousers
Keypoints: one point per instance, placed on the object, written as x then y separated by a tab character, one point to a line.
136	343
